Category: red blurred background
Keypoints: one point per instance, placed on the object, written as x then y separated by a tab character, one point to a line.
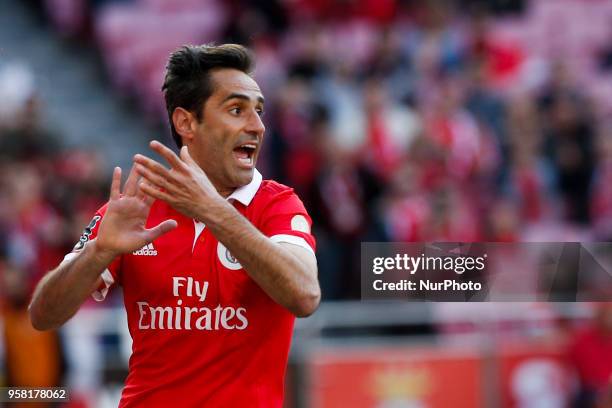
464	120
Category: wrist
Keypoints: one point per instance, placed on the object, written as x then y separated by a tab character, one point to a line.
214	211
101	253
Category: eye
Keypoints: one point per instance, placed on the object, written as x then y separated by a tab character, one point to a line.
235	111
260	112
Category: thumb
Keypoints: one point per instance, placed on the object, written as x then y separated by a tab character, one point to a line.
160	229
184	153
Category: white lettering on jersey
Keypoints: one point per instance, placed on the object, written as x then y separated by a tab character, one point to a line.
147	250
190	286
188	318
179	317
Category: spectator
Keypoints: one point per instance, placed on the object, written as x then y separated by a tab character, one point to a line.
590	353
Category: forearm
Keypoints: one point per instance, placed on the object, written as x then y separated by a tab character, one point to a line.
62	291
283	276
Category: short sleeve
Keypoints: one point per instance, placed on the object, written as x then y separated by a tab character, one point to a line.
111	274
285	219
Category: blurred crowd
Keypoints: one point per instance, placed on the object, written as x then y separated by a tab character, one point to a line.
47	195
393	120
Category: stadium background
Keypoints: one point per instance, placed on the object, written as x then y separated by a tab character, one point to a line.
394	120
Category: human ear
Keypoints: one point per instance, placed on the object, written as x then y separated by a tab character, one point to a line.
185	123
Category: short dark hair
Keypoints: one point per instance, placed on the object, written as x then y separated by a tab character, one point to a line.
187	82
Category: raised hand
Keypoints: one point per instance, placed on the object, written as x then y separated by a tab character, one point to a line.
185	186
122	229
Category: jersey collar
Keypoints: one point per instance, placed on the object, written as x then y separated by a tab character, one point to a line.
246	193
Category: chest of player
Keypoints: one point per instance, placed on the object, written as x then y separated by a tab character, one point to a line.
187	266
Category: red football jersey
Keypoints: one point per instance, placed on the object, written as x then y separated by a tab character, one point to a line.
204	333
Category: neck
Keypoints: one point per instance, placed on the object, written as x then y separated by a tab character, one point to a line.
224	193
222	190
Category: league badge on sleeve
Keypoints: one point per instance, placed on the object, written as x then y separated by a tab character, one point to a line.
299	223
87	233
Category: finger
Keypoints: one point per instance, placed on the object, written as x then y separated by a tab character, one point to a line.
159	230
115	184
148	200
130	187
152	179
167	154
155	193
185	156
154	166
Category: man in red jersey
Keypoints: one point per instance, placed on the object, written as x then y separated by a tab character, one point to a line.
215	263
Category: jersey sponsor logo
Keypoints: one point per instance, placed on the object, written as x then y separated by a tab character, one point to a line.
147	250
191	318
87	233
226	258
194	315
299	223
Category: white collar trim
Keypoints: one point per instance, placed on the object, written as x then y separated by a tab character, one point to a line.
246	193
243	194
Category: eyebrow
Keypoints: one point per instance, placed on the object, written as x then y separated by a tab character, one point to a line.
235	95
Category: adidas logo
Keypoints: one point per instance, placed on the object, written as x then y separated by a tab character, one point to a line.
147	250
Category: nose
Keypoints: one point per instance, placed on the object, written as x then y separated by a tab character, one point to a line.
255	125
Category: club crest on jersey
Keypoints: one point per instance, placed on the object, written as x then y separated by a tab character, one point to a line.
226	258
147	250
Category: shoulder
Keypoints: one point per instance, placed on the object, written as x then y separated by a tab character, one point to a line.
271	192
272	187
279	213
274	198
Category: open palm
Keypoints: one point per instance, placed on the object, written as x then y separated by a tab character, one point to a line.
122	229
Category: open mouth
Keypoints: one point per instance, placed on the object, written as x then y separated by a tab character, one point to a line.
244	153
